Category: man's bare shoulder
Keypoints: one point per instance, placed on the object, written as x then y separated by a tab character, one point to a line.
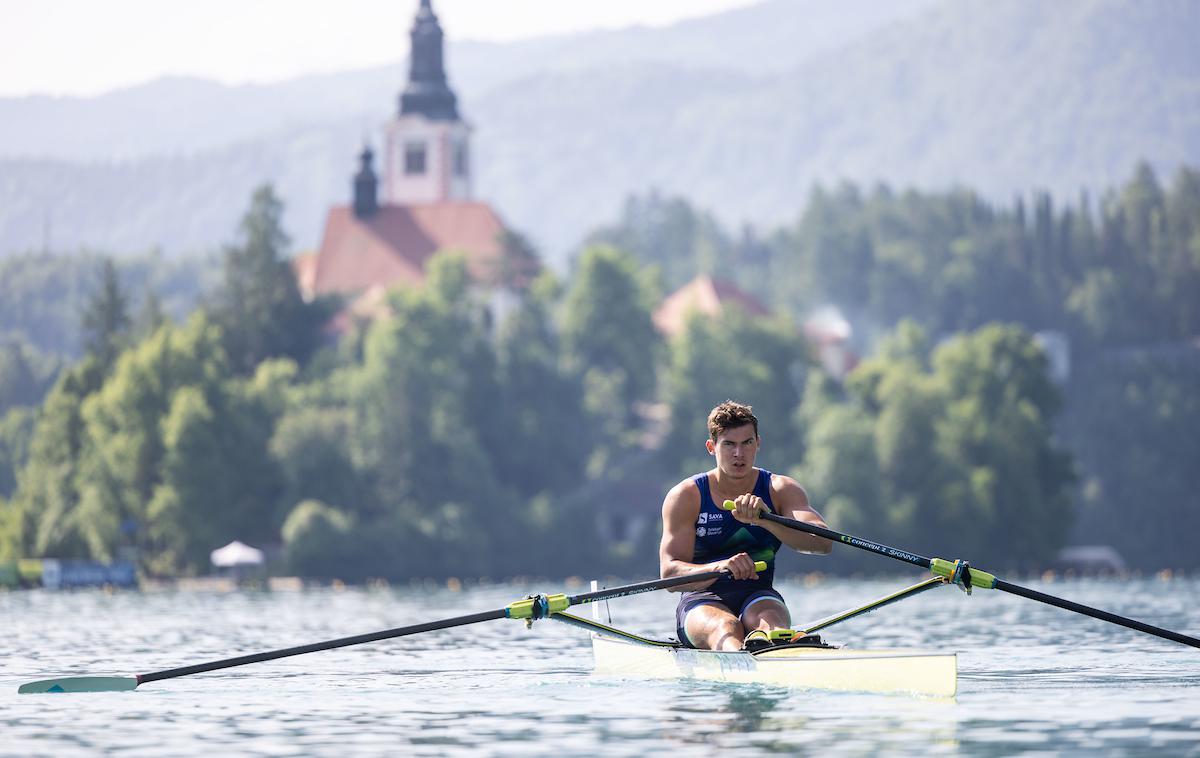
788	488
684	496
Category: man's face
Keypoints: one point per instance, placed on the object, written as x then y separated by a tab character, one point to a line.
735	449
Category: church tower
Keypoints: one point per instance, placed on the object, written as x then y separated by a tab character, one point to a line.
427	145
419	202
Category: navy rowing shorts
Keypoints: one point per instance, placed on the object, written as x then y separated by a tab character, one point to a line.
736	600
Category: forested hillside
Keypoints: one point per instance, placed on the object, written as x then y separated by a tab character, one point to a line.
427	444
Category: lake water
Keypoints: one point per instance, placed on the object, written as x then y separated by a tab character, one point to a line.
1033	679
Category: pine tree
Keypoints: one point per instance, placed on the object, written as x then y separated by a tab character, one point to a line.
260	307
106	318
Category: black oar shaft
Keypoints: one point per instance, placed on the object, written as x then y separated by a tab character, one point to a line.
588	597
999	584
859	542
316	646
1096	613
640	587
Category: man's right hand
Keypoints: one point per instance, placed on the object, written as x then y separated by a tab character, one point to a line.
740	566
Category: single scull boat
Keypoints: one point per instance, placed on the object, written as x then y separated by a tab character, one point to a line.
808	663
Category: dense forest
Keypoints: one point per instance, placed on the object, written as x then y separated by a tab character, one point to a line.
443	442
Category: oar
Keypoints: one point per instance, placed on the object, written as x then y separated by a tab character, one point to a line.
530	609
959	572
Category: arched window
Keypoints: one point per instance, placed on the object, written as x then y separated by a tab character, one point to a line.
414	158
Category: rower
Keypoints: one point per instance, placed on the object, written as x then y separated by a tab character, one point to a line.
698	535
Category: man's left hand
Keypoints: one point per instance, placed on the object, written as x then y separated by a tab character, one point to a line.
747	508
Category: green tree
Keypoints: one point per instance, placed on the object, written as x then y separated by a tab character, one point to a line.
961	459
16	434
259	306
425	413
830	251
173	456
841	470
1133	421
319	541
733	356
542	406
1180	257
669	234
10	531
122	456
150	317
46	513
997	432
218	481
311	445
913	473
608	335
24	375
517	265
44	296
106	318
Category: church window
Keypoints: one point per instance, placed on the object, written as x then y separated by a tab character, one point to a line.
414	158
460	159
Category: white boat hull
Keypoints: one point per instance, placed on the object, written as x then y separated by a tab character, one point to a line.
885	671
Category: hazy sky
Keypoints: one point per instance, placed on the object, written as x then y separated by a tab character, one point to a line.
85	47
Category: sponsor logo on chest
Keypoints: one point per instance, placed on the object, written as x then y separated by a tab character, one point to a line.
709	523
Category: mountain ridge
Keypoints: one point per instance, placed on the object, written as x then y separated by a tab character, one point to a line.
1004	98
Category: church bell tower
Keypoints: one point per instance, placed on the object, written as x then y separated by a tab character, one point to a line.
427	145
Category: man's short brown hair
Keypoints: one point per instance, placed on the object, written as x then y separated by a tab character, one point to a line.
730	415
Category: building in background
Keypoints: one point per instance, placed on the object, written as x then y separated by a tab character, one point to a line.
706	296
829	335
385	237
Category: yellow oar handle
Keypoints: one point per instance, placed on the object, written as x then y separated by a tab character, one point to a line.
728	505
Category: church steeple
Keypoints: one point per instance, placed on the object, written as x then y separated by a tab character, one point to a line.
366	197
426	152
427	92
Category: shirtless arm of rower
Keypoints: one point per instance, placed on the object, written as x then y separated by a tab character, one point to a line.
679	512
790	501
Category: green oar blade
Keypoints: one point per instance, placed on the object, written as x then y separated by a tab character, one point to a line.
81	684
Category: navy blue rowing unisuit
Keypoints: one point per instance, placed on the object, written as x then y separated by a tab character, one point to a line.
718	536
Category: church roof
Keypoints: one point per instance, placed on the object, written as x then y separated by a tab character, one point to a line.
392	245
704	295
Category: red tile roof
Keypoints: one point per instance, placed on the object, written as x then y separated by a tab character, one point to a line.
705	295
393	245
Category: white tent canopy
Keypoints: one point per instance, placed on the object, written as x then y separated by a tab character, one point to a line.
236	554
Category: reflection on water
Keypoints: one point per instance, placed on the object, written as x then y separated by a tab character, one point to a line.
1032	678
751	707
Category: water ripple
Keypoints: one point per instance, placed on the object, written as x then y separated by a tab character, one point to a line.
1034	679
